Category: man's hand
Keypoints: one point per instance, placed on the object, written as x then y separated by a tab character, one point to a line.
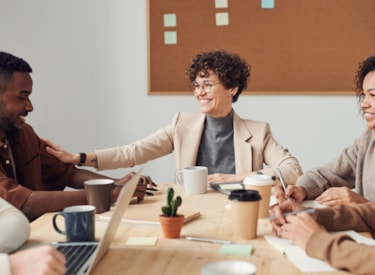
339	195
144	187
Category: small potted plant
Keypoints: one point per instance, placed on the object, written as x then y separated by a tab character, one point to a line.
170	221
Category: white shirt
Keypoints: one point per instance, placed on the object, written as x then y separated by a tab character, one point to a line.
13	235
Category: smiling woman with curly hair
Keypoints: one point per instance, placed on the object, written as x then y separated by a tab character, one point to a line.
231	70
333	183
230	146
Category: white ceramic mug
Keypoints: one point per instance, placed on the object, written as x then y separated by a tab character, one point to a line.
194	179
225	267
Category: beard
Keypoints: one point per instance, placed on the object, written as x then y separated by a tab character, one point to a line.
9	126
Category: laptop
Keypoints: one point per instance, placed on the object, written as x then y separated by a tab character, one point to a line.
82	257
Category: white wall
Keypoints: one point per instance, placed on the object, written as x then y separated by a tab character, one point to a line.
90	85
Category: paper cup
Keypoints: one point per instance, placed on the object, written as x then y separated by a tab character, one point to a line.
244	210
263	184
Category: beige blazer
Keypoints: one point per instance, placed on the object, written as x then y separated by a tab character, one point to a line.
254	146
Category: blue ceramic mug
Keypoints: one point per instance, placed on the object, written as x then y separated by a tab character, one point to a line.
79	223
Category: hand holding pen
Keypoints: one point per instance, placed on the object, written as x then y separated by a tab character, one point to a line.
282	182
288	192
296	212
285	215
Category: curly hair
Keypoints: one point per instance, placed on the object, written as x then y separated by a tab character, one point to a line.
9	64
232	70
363	69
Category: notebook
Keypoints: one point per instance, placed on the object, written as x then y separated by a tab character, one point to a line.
86	255
306	263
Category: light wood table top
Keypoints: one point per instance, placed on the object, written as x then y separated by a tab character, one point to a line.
176	256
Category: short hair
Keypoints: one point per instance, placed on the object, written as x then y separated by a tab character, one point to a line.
10	64
232	70
363	69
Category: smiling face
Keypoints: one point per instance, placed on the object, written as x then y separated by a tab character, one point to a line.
15	103
368	99
218	102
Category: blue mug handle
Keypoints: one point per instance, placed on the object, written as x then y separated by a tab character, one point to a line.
55	224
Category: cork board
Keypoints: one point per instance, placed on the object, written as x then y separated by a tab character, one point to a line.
293	47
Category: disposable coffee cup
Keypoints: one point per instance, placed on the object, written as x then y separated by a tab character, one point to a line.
99	193
194	179
79	223
244	210
263	184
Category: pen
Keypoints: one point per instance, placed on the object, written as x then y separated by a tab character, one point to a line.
199	239
282	180
307	210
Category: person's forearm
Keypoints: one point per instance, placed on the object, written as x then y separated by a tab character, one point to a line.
81	175
342	252
348	217
40	202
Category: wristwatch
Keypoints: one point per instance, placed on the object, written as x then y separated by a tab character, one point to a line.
82	159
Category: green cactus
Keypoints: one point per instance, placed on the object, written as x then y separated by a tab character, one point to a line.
171	209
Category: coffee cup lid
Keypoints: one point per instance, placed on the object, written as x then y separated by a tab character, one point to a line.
258	180
244	195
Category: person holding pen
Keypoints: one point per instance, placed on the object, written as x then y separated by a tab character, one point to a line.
217	137
311	233
332	183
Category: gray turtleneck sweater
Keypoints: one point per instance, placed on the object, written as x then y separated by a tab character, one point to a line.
216	149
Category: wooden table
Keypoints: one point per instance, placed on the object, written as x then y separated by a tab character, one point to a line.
176	256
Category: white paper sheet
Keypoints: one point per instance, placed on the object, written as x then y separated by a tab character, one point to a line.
304	262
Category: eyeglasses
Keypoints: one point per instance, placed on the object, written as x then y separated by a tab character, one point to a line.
206	86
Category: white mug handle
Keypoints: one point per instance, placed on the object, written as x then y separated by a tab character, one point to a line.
180	177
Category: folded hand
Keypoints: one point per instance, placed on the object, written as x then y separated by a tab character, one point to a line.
339	195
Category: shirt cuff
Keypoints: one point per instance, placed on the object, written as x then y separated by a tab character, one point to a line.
4	264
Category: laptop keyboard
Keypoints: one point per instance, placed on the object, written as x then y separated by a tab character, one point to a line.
76	255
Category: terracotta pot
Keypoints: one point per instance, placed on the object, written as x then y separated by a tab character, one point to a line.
171	226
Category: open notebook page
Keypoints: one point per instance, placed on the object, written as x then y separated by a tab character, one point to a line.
304	262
